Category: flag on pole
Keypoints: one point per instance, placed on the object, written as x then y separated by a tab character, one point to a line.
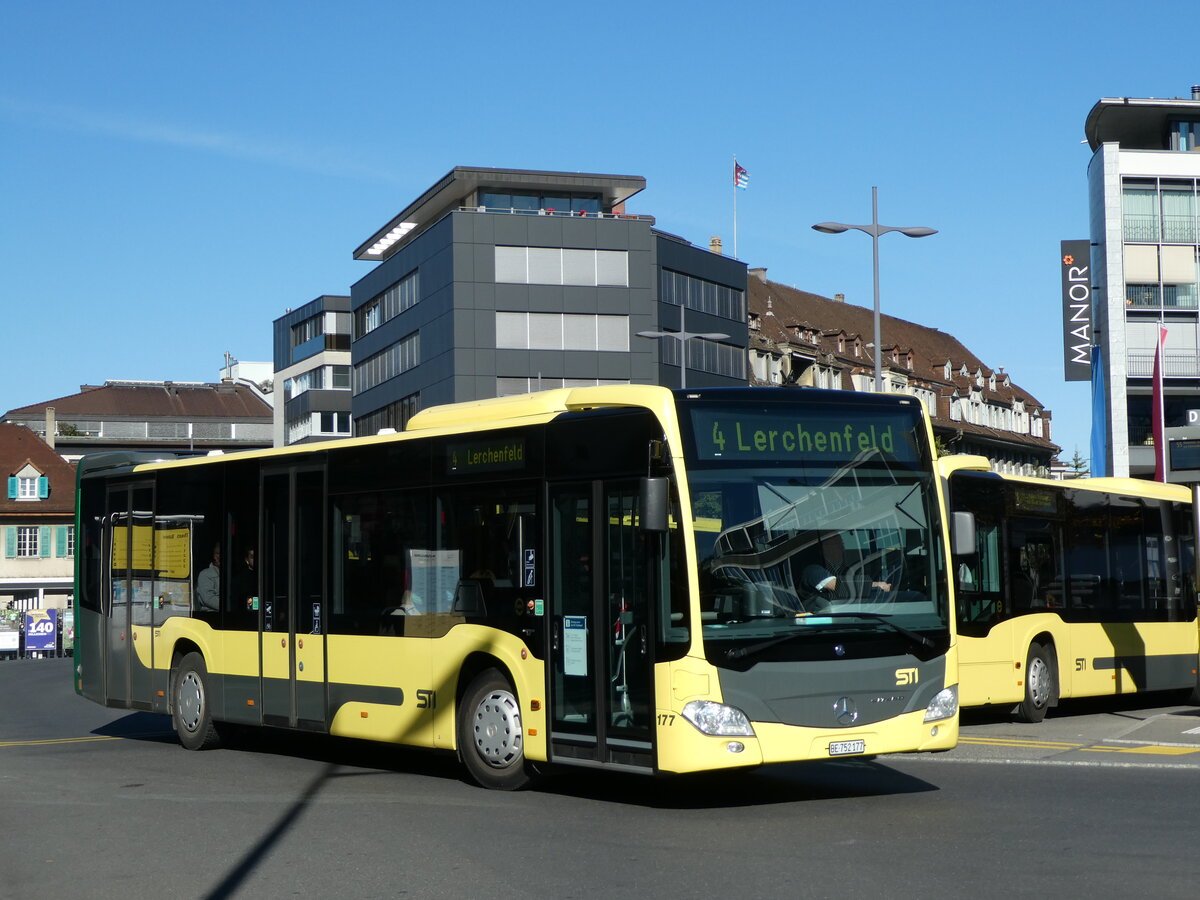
741	178
1157	411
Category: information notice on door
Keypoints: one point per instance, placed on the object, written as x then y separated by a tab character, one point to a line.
575	645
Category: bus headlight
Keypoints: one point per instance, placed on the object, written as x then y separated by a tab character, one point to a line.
717	718
944	705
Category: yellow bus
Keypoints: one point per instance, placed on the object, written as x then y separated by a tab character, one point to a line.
1081	588
610	577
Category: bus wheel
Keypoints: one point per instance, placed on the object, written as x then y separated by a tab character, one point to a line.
191	712
1039	685
491	739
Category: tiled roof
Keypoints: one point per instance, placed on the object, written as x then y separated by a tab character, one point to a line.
795	317
20	446
159	400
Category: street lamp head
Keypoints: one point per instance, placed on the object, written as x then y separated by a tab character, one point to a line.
831	227
917	231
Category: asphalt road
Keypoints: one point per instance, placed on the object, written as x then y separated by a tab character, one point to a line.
104	803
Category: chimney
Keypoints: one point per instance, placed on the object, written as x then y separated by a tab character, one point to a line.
1196	91
839	298
51	426
760	274
714	244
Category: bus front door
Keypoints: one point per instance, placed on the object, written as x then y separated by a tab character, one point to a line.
600	636
293	595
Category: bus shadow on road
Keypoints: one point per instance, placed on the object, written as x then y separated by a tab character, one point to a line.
786	783
1133	706
139	726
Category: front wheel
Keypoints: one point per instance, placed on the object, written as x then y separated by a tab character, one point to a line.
191	709
491	738
1039	685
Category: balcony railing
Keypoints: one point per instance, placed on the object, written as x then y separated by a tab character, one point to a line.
1176	364
1141	228
1167	296
578	214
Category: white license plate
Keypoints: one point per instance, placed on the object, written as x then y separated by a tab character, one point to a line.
843	748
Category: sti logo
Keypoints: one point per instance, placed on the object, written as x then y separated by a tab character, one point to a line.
906	676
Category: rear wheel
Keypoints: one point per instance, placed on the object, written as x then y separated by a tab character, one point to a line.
1039	685
491	737
191	709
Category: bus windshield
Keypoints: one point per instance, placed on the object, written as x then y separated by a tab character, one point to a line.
811	519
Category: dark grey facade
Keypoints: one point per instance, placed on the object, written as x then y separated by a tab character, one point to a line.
529	280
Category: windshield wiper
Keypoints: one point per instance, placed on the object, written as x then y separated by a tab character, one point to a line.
739	652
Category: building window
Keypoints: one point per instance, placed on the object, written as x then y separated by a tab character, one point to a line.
679	289
387	364
27	540
556	265
707	356
508	387
28	487
310	328
531	202
384	307
335	423
395	415
554	331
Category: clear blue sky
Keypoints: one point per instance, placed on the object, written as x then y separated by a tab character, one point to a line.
173	177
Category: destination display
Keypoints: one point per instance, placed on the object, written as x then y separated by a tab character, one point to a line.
494	455
765	435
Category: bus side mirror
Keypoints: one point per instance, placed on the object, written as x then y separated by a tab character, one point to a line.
962	535
654	504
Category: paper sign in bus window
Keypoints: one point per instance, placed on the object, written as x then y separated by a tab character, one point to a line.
575	645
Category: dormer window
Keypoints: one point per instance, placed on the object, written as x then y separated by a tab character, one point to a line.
28	484
946	370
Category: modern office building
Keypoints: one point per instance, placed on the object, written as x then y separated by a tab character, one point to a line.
804	339
1142	182
502	281
312	372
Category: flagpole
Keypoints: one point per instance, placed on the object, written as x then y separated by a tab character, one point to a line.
735	190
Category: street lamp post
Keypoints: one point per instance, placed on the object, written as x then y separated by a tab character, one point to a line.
682	337
875	230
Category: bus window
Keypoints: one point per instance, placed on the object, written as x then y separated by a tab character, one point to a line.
1130	553
1033	580
492	534
375	537
979	596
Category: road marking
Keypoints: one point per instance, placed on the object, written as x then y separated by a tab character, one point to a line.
1017	742
1192	731
49	741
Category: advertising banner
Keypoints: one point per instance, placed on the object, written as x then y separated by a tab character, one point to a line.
1076	260
68	630
10	632
41	630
